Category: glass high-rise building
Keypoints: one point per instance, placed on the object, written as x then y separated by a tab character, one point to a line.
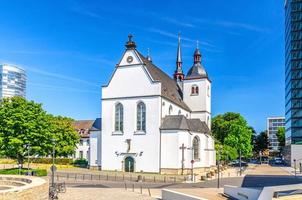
293	71
12	81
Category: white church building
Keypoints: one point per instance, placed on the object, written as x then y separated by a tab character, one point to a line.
154	123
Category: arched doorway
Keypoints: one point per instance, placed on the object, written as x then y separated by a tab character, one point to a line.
129	164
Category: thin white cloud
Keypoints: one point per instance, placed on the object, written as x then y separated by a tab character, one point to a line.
178	22
175	36
60	76
60	88
241	25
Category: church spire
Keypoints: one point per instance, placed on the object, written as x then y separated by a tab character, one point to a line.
178	74
197	54
148	55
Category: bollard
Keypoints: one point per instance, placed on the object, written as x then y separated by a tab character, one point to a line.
123	177
154	179
133	187
107	177
149	192
91	177
141	189
67	176
125	186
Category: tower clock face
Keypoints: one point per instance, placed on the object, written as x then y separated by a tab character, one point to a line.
129	59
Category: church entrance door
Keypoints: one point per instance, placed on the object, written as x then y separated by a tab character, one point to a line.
129	164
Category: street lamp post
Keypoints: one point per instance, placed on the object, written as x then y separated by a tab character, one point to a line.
240	162
295	167
53	163
218	169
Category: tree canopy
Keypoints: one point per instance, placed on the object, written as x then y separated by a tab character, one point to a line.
261	142
281	137
233	132
25	123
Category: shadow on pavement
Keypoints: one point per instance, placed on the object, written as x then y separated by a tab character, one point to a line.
268	180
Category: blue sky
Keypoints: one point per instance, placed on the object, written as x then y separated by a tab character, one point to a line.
70	48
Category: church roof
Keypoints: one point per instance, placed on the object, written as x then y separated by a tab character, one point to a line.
84	126
196	71
169	89
180	122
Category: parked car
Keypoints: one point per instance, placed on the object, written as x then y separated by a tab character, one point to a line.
278	161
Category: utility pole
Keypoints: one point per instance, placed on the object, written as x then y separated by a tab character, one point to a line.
182	148
53	168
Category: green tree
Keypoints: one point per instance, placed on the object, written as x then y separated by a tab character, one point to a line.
25	122
281	137
261	143
232	130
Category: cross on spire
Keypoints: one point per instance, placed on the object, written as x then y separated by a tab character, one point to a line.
130	44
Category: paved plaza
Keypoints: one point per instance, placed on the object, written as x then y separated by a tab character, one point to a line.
255	176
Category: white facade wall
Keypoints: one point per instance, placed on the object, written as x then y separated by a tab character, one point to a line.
176	110
83	147
95	149
172	140
129	86
199	104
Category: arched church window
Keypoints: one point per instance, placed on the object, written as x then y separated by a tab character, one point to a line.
119	117
179	112
170	110
194	90
141	117
196	147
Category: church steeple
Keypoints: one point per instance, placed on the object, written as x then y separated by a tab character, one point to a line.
178	74
197	54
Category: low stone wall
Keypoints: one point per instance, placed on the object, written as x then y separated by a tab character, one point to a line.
30	188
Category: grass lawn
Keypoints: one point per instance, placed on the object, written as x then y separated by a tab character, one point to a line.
16	171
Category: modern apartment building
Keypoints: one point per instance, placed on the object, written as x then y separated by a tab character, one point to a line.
12	81
273	124
293	80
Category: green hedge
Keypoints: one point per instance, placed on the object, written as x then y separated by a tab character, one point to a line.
59	161
15	171
80	163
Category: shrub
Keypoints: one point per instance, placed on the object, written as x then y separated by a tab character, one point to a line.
59	161
80	163
15	171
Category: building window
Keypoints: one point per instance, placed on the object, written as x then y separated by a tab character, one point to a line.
170	110
81	154
87	142
119	117
196	144
141	117
81	142
194	90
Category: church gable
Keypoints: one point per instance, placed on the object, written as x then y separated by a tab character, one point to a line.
130	57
